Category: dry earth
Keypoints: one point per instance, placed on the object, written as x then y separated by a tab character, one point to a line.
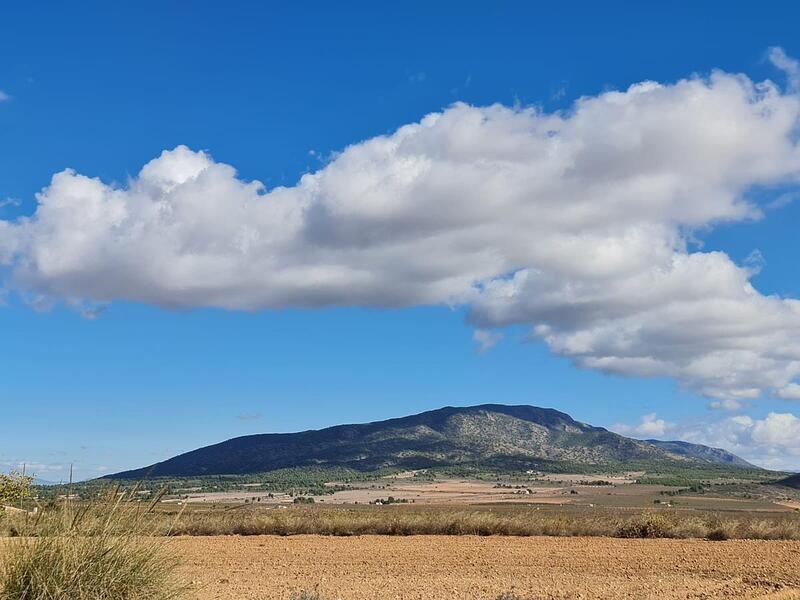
476	568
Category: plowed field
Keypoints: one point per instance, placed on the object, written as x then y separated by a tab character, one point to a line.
467	567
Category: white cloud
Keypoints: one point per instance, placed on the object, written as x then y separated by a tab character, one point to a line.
31	468
772	442
726	404
486	339
252	416
93	313
4	96
790	392
650	427
9	202
575	224
783	200
788	65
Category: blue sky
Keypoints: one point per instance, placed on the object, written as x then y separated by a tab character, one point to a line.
103	88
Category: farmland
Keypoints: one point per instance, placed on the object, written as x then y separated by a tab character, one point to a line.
413	534
478	568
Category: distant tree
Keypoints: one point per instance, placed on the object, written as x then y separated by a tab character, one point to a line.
14	488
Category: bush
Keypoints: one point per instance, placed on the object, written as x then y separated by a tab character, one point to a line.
646	526
98	551
718	534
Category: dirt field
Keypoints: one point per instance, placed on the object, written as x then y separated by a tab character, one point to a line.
477	568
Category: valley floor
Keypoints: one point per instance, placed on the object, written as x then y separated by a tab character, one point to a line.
477	568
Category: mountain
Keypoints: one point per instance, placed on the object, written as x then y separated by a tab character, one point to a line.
490	435
39	481
716	456
792	482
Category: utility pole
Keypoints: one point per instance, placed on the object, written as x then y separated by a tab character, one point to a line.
24	465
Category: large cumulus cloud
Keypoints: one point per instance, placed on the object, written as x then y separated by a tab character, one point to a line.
577	224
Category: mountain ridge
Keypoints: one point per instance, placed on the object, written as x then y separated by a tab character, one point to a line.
793	481
699	451
521	436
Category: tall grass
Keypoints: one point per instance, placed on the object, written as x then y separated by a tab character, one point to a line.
103	550
517	522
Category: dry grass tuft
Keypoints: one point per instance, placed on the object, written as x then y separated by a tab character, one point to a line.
305	595
98	551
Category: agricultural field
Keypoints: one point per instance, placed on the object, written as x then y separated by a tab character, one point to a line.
421	535
598	490
478	568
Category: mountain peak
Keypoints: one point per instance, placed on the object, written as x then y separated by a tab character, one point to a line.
487	435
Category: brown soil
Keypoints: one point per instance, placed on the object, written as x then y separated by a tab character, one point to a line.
467	567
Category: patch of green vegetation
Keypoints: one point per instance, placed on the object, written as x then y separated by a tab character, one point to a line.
390	500
698	474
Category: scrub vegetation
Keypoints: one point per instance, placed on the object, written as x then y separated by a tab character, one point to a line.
106	549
